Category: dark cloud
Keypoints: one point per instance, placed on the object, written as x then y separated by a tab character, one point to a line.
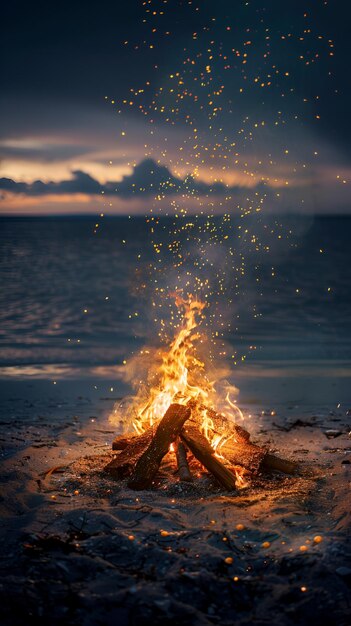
147	179
80	183
150	180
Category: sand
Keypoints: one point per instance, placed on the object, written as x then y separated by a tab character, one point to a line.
78	548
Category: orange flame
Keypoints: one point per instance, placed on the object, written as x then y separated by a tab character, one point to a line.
175	384
180	377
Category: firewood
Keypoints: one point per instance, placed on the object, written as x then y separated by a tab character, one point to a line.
201	449
121	442
240	435
272	462
166	432
251	457
246	454
255	458
221	422
238	450
123	465
182	462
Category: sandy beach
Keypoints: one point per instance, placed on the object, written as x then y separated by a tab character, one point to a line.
80	548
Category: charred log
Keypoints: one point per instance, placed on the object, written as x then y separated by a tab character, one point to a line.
245	454
141	455
124	464
182	462
166	432
241	451
121	442
201	449
221	422
275	463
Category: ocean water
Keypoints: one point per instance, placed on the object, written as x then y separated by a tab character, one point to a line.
68	299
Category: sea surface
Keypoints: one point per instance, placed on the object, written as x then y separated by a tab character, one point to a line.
68	299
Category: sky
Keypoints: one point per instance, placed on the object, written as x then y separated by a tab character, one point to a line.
171	105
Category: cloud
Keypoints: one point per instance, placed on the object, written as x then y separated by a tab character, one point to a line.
147	179
80	183
150	180
43	153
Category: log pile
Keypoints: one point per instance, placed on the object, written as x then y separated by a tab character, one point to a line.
140	456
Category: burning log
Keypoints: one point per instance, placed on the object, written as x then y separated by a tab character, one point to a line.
241	451
182	462
240	434
166	432
246	454
121	442
237	448
124	463
221	422
201	449
255	458
141	455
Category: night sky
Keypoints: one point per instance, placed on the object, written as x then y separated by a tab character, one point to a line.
127	107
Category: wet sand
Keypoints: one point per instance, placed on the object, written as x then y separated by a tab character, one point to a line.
77	547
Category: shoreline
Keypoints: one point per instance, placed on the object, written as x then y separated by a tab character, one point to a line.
274	388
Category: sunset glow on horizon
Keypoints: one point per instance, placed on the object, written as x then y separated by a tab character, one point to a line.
240	97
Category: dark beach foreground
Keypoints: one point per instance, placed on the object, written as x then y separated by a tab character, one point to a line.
78	548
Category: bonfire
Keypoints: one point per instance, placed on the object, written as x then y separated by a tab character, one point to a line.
183	415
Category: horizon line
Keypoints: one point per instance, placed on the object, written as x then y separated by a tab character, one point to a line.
96	215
